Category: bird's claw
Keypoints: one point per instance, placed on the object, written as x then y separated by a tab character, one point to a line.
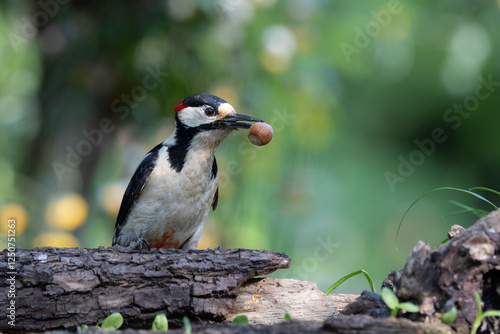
140	245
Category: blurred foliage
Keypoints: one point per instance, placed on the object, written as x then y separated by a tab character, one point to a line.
352	88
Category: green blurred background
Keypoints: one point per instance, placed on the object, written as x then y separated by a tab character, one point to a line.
357	92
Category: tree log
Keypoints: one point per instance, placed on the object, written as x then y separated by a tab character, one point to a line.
449	274
63	288
67	287
267	300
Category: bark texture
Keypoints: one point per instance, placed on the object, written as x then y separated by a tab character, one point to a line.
67	287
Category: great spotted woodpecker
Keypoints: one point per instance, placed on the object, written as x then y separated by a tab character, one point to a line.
170	194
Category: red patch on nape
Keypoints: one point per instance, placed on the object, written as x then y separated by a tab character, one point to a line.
180	106
167	240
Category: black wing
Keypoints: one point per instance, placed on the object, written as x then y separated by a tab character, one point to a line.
135	187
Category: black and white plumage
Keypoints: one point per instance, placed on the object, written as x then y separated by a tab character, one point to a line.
170	194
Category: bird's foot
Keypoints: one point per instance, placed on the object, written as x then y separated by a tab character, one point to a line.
140	244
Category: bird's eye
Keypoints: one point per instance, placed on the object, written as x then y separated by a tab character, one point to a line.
210	112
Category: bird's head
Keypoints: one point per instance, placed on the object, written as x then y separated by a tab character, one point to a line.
206	112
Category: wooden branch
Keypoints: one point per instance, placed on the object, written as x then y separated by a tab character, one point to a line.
266	300
67	287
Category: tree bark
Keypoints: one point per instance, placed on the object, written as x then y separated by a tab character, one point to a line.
67	287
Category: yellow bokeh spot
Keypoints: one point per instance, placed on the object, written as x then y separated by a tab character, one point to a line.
112	197
274	63
305	39
314	129
67	212
55	239
227	93
13	215
209	239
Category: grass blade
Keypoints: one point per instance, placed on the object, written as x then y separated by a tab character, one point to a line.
467	209
485	189
431	191
445	241
479	317
491	313
346	277
187	325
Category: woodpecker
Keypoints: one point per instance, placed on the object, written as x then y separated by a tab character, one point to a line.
168	199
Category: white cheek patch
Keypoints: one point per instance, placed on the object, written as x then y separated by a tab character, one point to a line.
225	109
194	116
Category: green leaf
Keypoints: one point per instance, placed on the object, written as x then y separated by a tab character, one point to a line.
112	322
160	323
84	327
450	316
288	317
346	277
187	325
433	190
390	299
241	319
409	307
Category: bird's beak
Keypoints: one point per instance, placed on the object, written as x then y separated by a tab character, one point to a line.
239	121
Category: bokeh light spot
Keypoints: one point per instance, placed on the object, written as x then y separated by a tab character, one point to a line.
14	212
273	63
181	10
227	93
68	212
111	197
55	239
279	41
468	50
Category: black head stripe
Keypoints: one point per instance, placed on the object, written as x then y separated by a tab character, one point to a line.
198	100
